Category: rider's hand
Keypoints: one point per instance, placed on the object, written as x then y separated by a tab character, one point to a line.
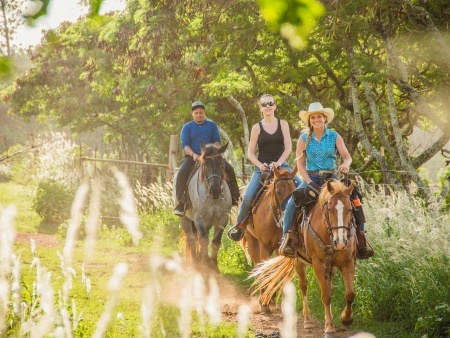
343	168
263	167
195	157
274	165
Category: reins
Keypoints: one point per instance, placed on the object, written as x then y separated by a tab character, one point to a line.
276	210
213	174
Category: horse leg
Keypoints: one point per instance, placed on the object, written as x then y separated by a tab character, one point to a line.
218	231
191	238
303	282
325	287
348	274
203	238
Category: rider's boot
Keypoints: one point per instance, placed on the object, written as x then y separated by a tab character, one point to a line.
236	233
365	249
289	243
179	209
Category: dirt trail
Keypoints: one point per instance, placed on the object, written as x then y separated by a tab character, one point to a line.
231	298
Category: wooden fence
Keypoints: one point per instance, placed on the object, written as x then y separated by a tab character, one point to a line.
169	168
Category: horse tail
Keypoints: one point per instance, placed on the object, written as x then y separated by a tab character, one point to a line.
243	243
271	276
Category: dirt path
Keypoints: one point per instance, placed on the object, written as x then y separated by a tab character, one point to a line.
231	298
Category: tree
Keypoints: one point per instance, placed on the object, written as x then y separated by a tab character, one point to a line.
382	66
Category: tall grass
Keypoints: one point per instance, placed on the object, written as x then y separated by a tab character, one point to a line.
410	275
408	280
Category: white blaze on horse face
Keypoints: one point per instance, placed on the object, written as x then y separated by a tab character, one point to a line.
340	243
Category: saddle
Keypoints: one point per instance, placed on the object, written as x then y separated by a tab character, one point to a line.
266	177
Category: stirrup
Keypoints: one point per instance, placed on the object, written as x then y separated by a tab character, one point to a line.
286	247
367	251
236	235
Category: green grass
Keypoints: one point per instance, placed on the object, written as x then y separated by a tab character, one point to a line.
403	287
21	196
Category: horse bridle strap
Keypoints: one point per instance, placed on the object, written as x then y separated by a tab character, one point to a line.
212	156
277	214
326	216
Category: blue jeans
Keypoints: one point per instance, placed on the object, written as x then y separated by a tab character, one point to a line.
291	208
253	187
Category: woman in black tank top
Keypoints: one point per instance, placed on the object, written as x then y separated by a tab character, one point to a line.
272	139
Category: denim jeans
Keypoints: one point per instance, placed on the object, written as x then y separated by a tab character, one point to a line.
253	187
291	208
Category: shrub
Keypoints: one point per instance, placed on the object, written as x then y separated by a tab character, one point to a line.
52	202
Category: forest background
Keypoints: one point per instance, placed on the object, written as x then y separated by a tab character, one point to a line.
129	77
120	84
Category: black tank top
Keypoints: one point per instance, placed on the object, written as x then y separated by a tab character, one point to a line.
270	146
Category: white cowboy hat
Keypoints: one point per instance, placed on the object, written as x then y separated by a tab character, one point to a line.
316	107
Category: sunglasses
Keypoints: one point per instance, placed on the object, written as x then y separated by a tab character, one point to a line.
266	104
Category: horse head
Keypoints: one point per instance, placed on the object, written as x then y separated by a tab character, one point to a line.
213	167
283	184
337	209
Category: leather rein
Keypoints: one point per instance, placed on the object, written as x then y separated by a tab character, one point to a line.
212	175
276	209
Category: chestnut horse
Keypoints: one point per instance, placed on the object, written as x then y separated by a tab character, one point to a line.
264	228
328	234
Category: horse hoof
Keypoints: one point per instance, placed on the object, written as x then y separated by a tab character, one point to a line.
265	310
347	322
346	319
330	335
308	324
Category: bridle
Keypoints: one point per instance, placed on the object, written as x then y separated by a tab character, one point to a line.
213	174
276	209
326	214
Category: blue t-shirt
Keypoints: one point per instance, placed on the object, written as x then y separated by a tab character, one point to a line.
192	133
321	155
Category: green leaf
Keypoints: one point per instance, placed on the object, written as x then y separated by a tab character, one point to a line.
5	66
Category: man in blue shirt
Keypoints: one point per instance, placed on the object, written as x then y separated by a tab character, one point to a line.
207	131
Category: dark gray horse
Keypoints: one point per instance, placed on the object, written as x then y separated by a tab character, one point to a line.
211	205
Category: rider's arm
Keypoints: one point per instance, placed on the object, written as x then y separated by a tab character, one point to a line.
347	159
301	160
190	152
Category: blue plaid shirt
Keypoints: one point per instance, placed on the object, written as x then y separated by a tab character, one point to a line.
321	155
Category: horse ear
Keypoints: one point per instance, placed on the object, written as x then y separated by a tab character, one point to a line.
223	148
276	171
294	171
202	145
349	190
330	186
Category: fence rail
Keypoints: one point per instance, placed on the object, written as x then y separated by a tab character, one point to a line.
170	168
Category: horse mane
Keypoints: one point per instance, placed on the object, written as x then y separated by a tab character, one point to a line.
210	149
338	187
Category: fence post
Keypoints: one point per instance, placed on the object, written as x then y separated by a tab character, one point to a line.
173	152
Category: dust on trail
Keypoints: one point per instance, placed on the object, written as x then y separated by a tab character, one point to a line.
231	296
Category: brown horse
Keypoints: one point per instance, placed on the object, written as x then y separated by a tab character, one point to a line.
264	228
329	242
